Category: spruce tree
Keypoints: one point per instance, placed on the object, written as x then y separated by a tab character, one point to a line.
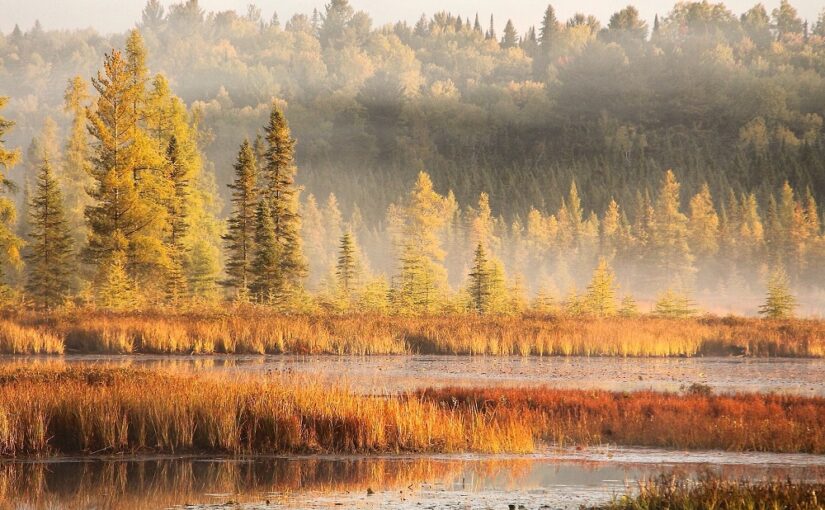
779	301
115	290
280	191
177	287
266	283
9	242
480	281
240	236
346	269
510	39
49	254
549	28
673	259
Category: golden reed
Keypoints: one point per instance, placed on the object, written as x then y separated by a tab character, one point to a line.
252	330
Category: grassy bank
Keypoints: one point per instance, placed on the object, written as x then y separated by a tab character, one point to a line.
674	494
252	330
63	411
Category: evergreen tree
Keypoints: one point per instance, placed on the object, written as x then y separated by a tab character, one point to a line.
600	299
673	304
477	25
9	242
266	270
115	289
491	32
480	281
282	194
240	236
49	254
549	27
510	39
177	286
347	267
779	302
628	308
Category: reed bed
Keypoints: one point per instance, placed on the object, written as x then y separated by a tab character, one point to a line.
714	493
104	411
86	410
696	420
251	330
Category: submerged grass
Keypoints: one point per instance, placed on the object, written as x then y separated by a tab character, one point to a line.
251	330
714	493
82	410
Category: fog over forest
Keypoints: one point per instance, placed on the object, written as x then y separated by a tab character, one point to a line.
547	140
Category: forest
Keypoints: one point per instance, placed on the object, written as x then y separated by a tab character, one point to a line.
571	168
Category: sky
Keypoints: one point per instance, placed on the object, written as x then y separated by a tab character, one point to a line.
109	16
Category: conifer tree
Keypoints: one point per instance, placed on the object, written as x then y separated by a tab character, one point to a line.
491	32
115	289
76	178
9	242
177	286
628	307
266	284
510	39
480	277
347	267
280	191
549	28
600	299
49	254
779	302
120	218
674	261
673	304
240	235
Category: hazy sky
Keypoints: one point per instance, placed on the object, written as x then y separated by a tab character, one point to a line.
118	15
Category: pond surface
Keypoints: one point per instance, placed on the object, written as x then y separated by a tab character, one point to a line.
553	479
380	374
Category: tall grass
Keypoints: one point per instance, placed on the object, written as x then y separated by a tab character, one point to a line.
254	331
711	493
694	421
74	410
20	339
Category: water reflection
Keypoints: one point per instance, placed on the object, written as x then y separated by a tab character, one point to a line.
401	373
374	482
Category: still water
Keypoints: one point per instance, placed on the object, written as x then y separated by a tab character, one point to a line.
558	479
379	374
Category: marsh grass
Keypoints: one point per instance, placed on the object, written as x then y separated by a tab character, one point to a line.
253	330
55	410
714	493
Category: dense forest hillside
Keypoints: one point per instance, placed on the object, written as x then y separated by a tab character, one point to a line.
736	101
326	164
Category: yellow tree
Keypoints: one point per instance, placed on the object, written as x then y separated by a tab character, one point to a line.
421	283
9	242
76	177
669	239
600	299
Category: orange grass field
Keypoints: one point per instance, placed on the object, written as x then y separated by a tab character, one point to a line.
252	330
106	411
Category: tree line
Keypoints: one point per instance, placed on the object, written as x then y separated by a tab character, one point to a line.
732	100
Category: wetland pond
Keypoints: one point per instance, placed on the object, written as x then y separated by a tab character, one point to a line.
553	478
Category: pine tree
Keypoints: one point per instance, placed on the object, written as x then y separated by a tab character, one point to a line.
240	236
600	299
49	254
9	242
779	302
480	281
491	32
115	290
628	308
280	191
673	304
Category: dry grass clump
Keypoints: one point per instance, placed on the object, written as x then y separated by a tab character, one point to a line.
253	330
94	411
696	420
714	493
20	339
